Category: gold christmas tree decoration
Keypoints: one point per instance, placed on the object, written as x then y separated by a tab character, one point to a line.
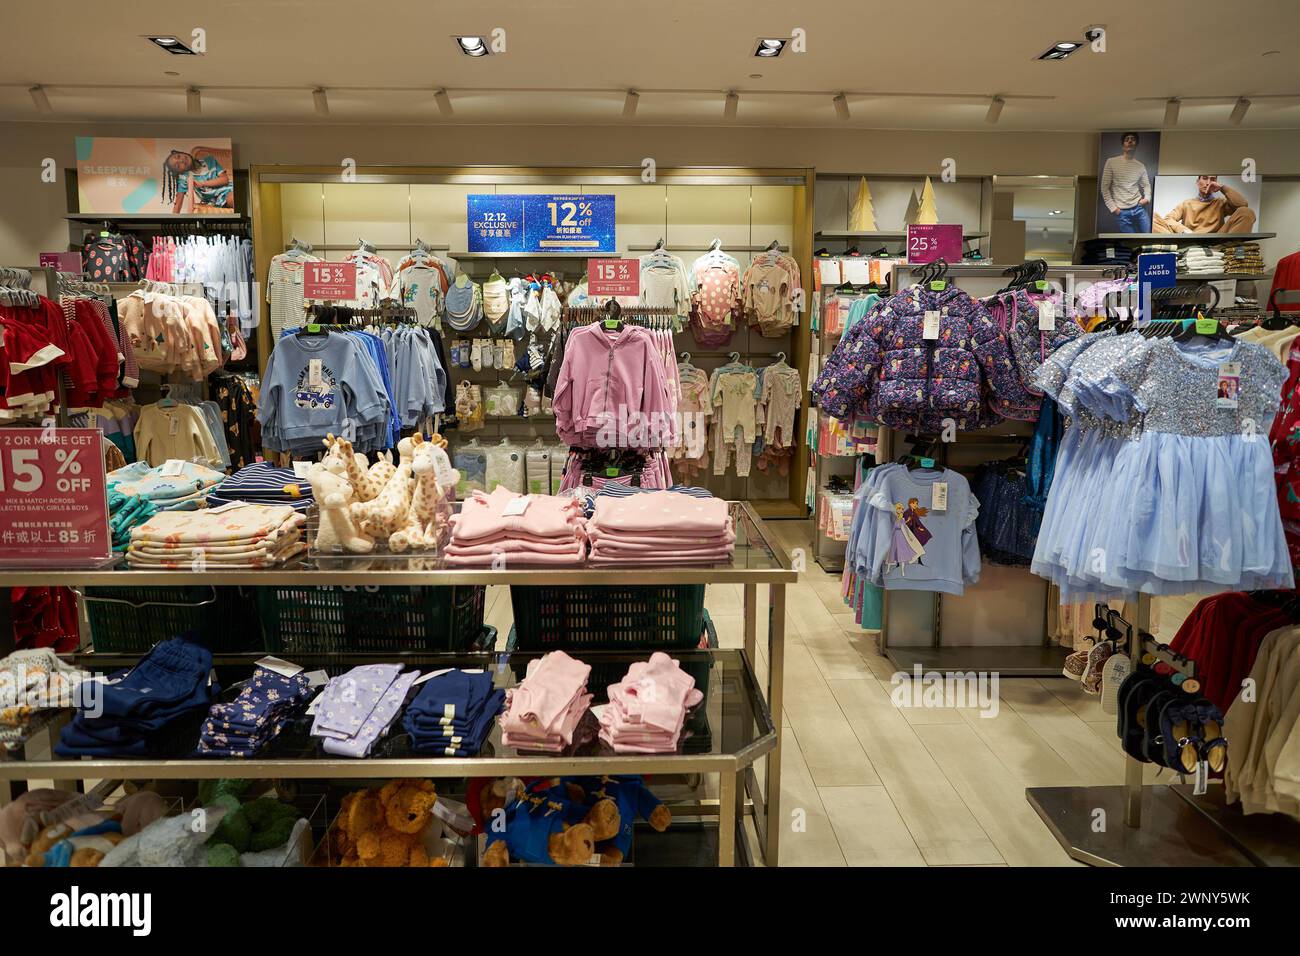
927	213
862	218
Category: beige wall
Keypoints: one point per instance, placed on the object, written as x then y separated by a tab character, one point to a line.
31	211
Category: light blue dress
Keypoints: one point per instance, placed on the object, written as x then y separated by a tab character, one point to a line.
1158	488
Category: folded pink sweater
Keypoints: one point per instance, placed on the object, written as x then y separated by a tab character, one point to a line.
481	516
626	539
657	511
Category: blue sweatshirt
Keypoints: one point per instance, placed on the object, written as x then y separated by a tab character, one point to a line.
295	409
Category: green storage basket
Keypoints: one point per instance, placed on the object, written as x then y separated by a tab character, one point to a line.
132	620
311	619
624	617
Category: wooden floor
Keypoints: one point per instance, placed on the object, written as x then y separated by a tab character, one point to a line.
865	783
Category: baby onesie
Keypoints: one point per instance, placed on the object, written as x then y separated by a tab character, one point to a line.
735	402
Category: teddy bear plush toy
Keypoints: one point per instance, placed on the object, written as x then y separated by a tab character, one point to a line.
632	798
541	823
386	827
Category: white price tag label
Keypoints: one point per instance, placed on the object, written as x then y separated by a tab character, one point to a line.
939	500
1110	252
281	667
300	468
172	468
930	330
517	506
229	506
317	678
174	426
313	372
1047	316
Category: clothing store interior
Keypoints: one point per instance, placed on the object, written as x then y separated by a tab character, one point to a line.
884	448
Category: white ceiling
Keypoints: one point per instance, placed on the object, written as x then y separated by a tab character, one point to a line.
379	61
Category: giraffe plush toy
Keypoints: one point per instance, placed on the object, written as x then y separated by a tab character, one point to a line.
337	532
387	512
364	486
420	529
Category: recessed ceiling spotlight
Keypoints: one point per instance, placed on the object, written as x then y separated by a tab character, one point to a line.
770	48
171	45
1059	51
474	46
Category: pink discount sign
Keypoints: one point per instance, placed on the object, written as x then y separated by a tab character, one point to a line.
329	281
613	277
926	243
62	262
53	501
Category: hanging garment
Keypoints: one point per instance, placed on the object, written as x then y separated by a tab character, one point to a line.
734	396
284	285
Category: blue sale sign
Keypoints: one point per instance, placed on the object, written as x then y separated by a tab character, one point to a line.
540	223
1158	270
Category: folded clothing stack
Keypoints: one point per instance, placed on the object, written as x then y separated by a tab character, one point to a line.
543	711
124	513
612	489
1200	260
357	708
1106	252
238	536
136	710
244	726
1242	257
32	683
453	713
264	484
647	708
45	617
661	527
522	529
173	486
1152	248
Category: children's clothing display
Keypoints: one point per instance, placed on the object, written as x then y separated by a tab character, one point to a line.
690	452
453	713
236	395
734	395
114	258
45	617
246	725
1007	525
462	307
768	293
284	285
179	487
37	345
915	531
222	264
660	527
172	334
356	709
374	278
543	710
715	298
33	682
1022	316
170	429
665	283
234	537
518	530
1161	485
264	483
421	284
139	711
647	708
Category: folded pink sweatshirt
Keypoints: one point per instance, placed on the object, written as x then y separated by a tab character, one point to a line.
516	559
627	539
657	511
510	546
550	685
482	516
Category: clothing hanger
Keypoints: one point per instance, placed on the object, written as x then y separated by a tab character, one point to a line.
780	359
366	247
1277	320
613	320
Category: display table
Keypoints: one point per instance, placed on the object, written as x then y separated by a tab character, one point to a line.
743	717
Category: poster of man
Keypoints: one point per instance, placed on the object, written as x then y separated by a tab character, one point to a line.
1206	203
1126	172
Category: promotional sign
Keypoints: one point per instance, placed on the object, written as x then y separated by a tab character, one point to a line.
613	277
926	243
1157	270
62	262
53	500
499	222
155	176
333	281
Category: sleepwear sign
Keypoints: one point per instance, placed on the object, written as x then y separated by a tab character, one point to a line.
53	501
546	222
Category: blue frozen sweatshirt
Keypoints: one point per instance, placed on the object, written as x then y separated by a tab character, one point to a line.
912	546
313	384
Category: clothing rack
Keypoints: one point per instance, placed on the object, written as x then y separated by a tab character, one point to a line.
649	316
49	276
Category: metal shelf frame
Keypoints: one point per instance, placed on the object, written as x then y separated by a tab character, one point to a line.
741	792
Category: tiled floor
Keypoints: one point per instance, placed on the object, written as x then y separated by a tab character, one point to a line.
865	783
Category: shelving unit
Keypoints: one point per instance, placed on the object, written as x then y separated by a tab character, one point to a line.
747	712
848	235
1158	237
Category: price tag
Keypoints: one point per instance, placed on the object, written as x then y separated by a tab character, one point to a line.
1047	316
1206	326
927	462
1229	386
172	468
431	675
930	330
313	372
517	506
1202	783
939	500
174	426
1110	252
281	667
300	468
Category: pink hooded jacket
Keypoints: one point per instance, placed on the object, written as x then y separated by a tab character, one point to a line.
611	390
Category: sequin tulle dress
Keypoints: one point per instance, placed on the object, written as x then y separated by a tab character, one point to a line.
1160	486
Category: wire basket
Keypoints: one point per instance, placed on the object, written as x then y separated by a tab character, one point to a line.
305	619
630	617
132	620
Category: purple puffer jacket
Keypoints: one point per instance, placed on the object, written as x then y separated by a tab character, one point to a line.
1016	314
886	366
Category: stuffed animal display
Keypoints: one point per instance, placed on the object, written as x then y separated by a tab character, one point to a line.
542	823
83	839
386	826
337	531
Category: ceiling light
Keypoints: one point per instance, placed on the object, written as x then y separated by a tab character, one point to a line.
729	107
193	101
770	48
171	45
1059	51
629	103
321	100
473	46
995	109
1239	111
841	106
1172	106
40	99
1057	212
444	102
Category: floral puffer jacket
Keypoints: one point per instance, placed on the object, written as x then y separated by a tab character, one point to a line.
887	368
1017	314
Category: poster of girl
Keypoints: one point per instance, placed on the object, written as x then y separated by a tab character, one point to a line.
202	176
